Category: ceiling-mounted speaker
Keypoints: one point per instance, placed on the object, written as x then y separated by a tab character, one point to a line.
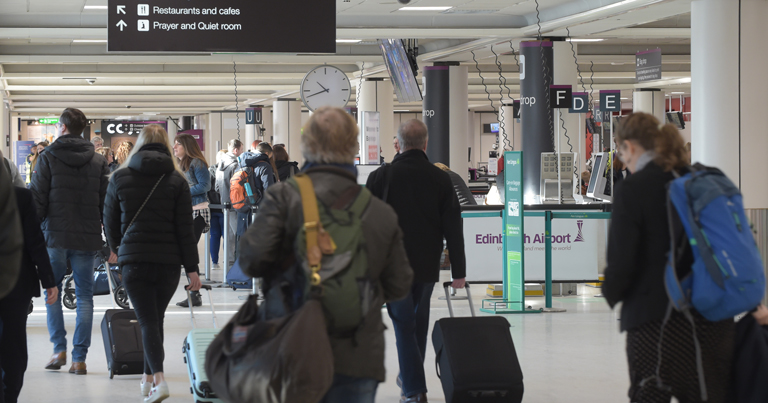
187	123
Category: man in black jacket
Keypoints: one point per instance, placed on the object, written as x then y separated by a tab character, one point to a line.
35	270
69	184
428	211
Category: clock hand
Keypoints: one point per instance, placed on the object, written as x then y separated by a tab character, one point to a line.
322	86
317	93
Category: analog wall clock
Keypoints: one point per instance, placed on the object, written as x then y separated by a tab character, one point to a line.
325	86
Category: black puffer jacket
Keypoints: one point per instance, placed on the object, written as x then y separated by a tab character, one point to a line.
286	169
69	184
163	233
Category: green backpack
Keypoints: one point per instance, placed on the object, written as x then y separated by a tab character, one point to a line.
335	257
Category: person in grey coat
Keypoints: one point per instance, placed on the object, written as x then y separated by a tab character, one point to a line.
329	145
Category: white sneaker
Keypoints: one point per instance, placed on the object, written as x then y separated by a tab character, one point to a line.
158	393
216	266
145	388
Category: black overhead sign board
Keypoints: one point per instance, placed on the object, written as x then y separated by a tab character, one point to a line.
237	26
648	65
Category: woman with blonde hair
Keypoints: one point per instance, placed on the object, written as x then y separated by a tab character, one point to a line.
122	151
148	223
192	162
638	248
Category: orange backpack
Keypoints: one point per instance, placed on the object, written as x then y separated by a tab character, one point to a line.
243	192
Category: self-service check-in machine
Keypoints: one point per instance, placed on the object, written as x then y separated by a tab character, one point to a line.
553	186
599	181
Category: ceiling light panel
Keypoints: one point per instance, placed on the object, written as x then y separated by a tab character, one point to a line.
428	8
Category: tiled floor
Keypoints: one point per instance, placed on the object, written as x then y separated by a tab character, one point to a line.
575	356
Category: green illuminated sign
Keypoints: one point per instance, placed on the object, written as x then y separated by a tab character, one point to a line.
48	121
514	279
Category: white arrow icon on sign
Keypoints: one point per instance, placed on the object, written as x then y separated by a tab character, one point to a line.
122	25
121	9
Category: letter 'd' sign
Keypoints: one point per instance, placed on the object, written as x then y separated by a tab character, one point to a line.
580	103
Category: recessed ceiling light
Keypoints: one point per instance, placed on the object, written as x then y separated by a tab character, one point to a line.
617	63
583	40
89	40
439	8
401	110
678	92
624	98
348	40
95	7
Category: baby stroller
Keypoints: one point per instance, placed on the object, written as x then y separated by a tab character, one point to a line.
101	283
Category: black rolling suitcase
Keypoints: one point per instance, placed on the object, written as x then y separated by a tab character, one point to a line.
122	341
476	359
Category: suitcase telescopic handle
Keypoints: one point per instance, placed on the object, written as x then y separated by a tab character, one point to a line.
446	286
210	299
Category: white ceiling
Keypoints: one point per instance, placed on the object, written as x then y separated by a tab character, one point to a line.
42	70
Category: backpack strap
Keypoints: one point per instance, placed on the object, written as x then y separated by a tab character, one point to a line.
311	225
360	204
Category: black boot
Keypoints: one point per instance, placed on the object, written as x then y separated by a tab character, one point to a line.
197	300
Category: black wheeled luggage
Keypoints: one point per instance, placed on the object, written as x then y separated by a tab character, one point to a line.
122	341
476	359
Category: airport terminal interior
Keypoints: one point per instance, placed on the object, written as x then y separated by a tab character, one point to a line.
537	87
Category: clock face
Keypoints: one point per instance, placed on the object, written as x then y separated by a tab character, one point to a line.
325	86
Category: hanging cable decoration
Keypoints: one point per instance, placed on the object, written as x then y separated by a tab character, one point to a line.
357	90
507	145
237	101
482	79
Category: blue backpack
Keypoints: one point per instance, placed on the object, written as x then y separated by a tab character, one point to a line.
727	276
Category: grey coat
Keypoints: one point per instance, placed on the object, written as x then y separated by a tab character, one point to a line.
269	242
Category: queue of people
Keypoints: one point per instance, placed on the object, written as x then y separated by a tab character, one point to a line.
154	208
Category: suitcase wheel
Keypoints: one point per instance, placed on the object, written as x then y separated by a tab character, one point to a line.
191	391
185	360
111	374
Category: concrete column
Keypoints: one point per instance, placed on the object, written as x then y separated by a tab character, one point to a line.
649	100
4	132
250	135
287	126
457	118
267	124
377	94
172	130
728	92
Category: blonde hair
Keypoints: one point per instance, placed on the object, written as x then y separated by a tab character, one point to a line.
665	140
330	137
104	151
121	154
151	134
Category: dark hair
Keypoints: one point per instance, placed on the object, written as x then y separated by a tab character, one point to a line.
191	151
234	144
280	153
75	121
665	140
264	148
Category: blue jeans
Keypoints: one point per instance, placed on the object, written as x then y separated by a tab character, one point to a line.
347	389
410	317
82	271
217	232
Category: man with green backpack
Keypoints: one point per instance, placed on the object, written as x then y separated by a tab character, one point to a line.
320	230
